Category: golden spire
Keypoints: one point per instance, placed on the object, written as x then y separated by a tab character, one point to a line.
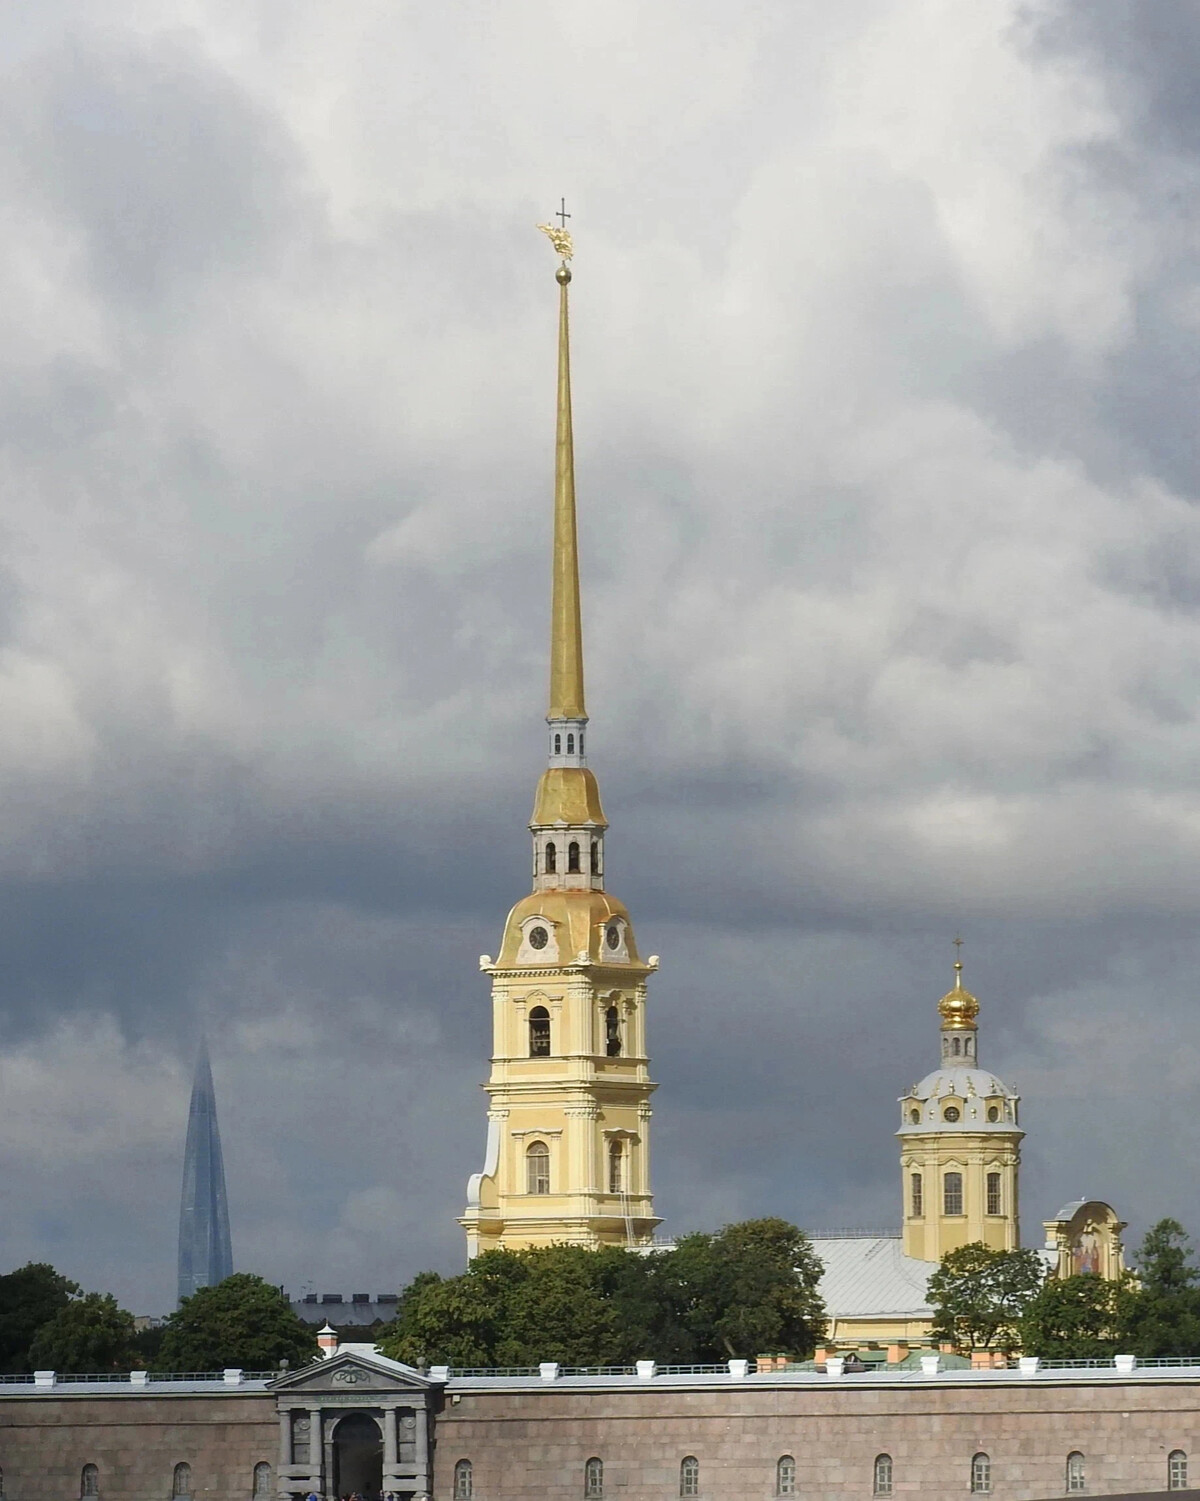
958	1007
566	630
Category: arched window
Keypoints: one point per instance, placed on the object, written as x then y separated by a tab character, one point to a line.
89	1481
1177	1470
570	745
612	1032
573	857
558	745
181	1481
539	1032
615	1165
968	1045
952	1199
914	1117
883	1474
581	742
551	859
918	1197
537	1168
1076	1476
689	1476
993	1194
956	1047
463	1481
981	1475
595	857
785	1476
262	1480
593	1480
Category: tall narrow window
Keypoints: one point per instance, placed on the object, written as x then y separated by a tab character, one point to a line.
570	745
262	1481
1177	1471
918	1197
785	1476
952	1199
463	1481
612	1032
539	1032
573	858
615	1164
689	1476
581	742
537	1168
883	1474
593	1480
89	1481
957	1047
1076	1476
981	1475
181	1481
595	857
551	859
558	745
993	1194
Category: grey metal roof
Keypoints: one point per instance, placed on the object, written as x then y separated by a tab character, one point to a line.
872	1276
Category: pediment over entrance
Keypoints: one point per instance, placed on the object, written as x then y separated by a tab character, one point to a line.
350	1372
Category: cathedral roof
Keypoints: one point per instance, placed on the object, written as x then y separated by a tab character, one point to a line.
868	1276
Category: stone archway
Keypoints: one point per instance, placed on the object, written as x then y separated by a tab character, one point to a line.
358	1456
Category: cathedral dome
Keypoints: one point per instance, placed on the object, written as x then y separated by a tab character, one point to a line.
959	1099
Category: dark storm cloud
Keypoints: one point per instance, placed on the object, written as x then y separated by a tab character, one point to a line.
890	553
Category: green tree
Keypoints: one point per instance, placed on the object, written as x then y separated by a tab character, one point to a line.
750	1287
1079	1318
243	1321
979	1295
1164	1316
29	1298
91	1333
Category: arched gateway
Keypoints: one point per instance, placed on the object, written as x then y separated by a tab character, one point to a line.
355	1422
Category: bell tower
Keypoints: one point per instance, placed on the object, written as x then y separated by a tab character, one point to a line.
960	1145
568	1144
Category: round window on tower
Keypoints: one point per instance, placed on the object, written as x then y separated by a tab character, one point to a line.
538	938
914	1117
993	1112
612	936
950	1113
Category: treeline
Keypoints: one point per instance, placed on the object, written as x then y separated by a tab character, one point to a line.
1001	1300
48	1323
749	1288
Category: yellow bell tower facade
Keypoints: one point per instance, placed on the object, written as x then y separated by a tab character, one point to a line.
960	1145
568	1144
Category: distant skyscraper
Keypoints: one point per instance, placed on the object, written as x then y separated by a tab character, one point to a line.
205	1254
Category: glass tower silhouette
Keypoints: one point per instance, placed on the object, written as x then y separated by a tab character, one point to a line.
205	1252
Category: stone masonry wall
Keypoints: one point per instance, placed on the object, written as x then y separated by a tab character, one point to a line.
136	1441
533	1446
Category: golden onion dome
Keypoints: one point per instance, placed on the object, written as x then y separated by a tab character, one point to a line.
958	1007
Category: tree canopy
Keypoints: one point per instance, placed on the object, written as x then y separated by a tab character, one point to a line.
748	1288
979	1295
1079	1318
29	1297
243	1321
89	1334
1164	1313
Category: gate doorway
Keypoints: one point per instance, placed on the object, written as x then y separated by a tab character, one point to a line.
358	1456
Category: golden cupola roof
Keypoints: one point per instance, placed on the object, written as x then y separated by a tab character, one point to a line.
958	1007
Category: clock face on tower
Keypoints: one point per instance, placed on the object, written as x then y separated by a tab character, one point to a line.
612	936
538	938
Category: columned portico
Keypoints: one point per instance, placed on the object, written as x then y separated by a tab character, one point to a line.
330	1414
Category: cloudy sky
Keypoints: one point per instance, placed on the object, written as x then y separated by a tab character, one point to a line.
887	340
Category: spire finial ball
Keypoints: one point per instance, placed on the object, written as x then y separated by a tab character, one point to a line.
563	275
